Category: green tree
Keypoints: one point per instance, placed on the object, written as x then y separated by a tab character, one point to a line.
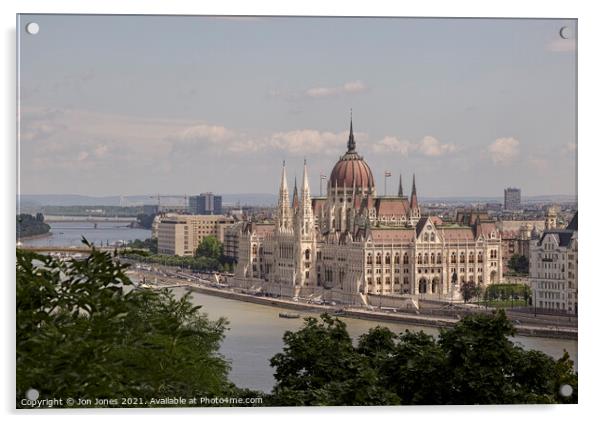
473	362
519	264
210	247
83	332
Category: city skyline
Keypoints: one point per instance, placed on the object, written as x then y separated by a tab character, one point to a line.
470	106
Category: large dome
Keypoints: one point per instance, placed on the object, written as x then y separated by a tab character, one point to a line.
351	168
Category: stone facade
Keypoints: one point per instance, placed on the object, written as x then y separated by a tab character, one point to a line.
352	243
553	268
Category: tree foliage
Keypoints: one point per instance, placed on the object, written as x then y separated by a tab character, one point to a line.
83	332
472	363
519	264
210	247
469	290
28	225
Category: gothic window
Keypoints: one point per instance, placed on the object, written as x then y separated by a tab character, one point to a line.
432	258
471	257
462	258
307	253
426	237
438	258
254	249
453	258
426	258
379	259
419	259
369	260
405	258
396	258
480	257
433	237
387	259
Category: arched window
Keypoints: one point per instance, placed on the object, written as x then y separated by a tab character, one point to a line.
379	259
471	257
453	258
462	258
432	258
387	259
254	249
307	254
419	259
438	258
432	237
480	257
426	258
396	258
405	258
426	237
369	259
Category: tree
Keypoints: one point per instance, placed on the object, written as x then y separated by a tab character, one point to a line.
473	362
519	264
83	332
210	247
468	290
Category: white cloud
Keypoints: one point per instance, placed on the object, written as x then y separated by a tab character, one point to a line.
503	150
347	88
428	146
307	141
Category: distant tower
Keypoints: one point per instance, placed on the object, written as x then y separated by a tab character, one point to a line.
512	199
400	189
551	217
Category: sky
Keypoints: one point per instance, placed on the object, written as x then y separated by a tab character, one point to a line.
127	105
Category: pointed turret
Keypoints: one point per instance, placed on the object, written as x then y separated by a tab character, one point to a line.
305	206
295	197
351	141
400	189
284	211
414	198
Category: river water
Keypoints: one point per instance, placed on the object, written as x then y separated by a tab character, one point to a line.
255	335
255	331
69	234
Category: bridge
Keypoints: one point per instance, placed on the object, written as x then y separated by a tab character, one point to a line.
89	219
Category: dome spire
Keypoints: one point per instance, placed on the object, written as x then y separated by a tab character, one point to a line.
351	142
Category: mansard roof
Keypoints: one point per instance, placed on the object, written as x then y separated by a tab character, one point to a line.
564	236
573	223
457	234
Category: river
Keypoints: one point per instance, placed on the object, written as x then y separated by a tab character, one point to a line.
68	234
255	335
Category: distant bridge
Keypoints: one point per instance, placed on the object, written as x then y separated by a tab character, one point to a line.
90	219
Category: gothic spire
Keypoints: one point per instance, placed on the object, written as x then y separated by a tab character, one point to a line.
400	190
295	196
414	199
351	142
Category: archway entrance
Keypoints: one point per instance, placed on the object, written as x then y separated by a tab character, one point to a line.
422	286
493	277
435	285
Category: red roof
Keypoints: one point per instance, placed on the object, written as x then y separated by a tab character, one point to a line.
392	235
387	207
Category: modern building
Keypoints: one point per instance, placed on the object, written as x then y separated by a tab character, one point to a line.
354	246
180	235
206	203
553	268
512	199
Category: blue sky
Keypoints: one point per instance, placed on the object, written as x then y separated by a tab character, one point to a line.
136	105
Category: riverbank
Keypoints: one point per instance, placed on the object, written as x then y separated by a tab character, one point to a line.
414	319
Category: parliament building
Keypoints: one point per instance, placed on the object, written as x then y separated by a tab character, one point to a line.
353	246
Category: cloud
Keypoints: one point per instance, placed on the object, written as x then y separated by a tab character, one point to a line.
347	88
307	141
562	46
428	146
503	150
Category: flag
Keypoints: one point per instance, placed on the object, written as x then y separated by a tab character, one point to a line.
387	173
